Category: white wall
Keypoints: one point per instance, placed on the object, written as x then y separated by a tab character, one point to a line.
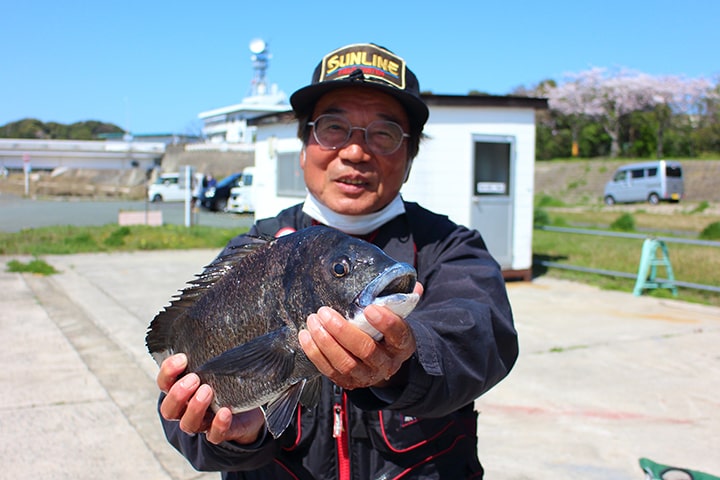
267	202
441	177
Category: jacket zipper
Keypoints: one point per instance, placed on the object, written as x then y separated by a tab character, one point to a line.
340	433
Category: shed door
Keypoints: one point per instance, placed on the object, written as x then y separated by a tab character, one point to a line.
492	208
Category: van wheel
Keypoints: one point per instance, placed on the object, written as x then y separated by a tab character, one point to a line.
653	199
157	198
609	200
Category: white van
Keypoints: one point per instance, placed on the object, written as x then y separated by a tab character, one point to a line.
168	187
646	181
242	197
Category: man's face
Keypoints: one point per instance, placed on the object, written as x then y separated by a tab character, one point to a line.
352	179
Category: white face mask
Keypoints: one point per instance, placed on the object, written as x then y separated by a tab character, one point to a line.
353	224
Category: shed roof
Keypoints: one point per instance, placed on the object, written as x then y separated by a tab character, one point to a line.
502	101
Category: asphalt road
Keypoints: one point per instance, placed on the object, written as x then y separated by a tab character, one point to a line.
17	213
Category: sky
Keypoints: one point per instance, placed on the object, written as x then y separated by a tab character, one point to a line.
151	66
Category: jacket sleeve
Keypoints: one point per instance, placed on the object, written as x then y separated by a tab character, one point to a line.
463	327
226	457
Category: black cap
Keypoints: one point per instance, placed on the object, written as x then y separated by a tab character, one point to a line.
367	65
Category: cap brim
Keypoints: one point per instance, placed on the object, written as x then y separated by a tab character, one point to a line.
304	99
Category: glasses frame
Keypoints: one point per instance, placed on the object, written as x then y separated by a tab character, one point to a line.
350	132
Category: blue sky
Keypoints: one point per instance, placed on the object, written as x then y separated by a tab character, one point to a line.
151	66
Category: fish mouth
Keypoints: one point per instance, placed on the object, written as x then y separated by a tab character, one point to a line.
397	279
393	289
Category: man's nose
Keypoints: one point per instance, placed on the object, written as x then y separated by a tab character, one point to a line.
356	148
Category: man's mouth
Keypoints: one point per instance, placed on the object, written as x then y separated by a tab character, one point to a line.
350	181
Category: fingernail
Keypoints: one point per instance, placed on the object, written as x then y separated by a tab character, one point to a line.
203	393
324	313
190	381
179	360
372	313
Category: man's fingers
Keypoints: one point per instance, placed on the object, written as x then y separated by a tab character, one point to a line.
194	419
170	369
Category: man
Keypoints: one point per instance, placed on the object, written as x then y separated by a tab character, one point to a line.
401	407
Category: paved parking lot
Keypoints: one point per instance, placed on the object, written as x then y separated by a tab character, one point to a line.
603	379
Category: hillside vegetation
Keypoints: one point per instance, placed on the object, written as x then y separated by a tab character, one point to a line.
583	181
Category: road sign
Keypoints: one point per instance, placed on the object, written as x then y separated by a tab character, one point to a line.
27	168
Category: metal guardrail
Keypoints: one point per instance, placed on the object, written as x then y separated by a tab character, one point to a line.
640	236
603	233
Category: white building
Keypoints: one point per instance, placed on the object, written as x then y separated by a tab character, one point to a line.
17	153
476	166
229	125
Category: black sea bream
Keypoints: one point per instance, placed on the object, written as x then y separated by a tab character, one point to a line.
238	321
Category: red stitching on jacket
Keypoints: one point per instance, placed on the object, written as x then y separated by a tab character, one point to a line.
411	447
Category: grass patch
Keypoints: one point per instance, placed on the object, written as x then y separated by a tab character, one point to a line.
61	240
644	220
690	263
38	266
548	201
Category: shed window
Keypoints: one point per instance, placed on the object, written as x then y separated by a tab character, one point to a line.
492	168
290	181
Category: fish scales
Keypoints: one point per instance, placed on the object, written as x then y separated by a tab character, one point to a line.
238	321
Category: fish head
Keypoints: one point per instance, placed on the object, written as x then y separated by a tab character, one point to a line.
354	273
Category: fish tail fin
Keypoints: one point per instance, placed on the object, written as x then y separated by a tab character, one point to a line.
279	413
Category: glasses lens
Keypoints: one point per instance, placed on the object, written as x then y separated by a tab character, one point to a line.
384	136
332	131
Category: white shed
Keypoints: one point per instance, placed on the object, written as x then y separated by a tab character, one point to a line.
476	166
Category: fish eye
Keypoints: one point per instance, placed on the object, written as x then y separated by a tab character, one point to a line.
341	267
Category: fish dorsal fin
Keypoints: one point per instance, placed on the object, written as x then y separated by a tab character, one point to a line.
279	413
226	261
158	338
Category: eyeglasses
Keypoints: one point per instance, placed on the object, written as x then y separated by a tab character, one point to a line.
383	137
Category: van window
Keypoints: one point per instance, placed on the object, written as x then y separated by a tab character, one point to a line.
162	180
637	172
620	176
652	172
672	171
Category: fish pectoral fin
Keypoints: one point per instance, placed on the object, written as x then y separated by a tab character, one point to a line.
268	356
279	412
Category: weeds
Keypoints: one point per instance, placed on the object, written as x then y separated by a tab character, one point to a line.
37	266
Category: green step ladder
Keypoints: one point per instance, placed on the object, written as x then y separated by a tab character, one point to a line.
654	255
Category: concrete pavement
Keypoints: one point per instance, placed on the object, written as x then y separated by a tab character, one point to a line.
603	378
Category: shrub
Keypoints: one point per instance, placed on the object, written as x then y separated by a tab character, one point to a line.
117	237
624	223
711	232
540	218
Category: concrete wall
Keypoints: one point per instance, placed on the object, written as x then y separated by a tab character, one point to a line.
216	162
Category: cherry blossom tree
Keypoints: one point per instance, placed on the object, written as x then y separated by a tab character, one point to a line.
605	96
679	95
574	98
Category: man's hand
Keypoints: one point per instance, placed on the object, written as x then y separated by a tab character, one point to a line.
188	401
350	357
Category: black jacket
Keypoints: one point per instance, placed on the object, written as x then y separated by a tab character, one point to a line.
466	343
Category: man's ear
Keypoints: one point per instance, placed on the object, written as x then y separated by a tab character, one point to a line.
302	158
